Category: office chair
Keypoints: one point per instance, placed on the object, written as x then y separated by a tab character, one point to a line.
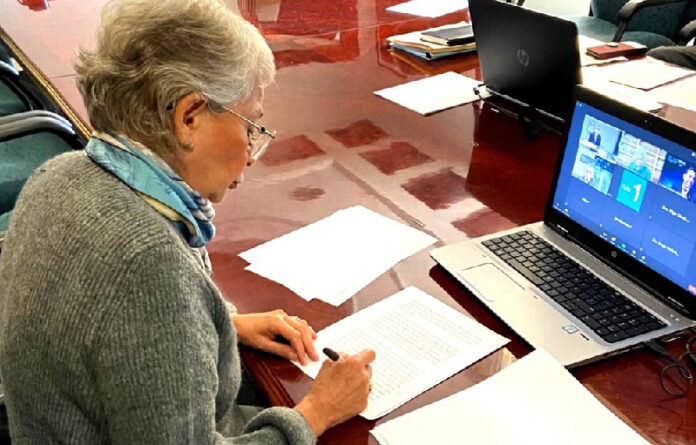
687	33
27	140
682	54
650	22
15	95
12	100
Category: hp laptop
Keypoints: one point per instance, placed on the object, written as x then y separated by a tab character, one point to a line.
527	57
613	264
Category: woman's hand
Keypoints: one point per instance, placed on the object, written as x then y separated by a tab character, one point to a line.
263	330
339	392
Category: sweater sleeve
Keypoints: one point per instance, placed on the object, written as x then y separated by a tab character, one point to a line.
155	362
274	425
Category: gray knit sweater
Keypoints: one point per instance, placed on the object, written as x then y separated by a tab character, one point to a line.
110	331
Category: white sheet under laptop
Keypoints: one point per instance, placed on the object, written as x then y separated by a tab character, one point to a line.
434	93
419	342
534	400
625	203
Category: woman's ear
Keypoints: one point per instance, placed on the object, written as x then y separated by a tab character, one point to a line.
187	114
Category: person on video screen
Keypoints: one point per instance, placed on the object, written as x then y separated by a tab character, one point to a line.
595	138
687	186
637	165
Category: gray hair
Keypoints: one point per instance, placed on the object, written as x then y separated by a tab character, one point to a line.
151	53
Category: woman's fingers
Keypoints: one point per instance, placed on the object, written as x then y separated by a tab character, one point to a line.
293	335
307	334
280	349
366	356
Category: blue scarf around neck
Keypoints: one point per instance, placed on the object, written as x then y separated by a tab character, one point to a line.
145	172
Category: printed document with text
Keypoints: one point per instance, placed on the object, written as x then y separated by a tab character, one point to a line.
419	342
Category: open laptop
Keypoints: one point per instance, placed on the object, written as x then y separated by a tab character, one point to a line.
613	264
527	57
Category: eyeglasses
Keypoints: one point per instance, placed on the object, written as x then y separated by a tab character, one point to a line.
676	378
259	136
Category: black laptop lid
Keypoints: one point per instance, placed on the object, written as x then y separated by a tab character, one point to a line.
625	190
529	57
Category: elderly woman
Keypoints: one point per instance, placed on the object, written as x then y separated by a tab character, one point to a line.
111	330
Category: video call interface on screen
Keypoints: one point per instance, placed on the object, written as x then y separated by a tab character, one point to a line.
634	189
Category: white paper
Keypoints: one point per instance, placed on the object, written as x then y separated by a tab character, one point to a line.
534	400
429	8
335	257
596	79
646	73
434	93
418	340
585	42
681	94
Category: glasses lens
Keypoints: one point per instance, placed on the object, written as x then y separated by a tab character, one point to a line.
253	134
259	144
676	379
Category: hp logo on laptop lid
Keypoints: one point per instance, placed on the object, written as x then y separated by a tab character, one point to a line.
523	57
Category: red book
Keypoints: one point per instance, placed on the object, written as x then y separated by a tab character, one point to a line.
616	49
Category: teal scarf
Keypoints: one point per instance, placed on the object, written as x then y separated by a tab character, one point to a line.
145	172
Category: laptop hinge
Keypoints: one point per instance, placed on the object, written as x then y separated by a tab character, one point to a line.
562	229
677	305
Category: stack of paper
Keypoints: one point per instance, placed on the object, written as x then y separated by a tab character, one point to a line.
412	44
418	340
681	94
434	93
646	73
596	78
335	257
429	8
534	400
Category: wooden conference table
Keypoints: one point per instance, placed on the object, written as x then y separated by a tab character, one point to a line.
461	173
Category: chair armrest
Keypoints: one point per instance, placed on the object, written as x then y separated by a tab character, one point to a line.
33	113
7	69
630	8
687	33
36	123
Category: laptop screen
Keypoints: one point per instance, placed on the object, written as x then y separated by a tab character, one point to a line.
634	189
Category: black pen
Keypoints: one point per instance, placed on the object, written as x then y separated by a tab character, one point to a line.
330	353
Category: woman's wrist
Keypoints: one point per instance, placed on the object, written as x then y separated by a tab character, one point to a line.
312	415
238	322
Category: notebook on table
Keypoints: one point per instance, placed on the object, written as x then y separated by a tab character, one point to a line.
450	36
617	49
613	263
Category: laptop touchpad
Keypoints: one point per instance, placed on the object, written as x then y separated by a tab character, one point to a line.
491	282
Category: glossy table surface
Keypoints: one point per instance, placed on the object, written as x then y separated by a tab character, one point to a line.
457	174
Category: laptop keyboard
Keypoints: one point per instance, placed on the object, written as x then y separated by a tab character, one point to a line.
604	310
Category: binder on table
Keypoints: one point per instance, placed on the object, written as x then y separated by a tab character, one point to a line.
433	54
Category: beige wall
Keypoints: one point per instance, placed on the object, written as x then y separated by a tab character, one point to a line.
560	7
